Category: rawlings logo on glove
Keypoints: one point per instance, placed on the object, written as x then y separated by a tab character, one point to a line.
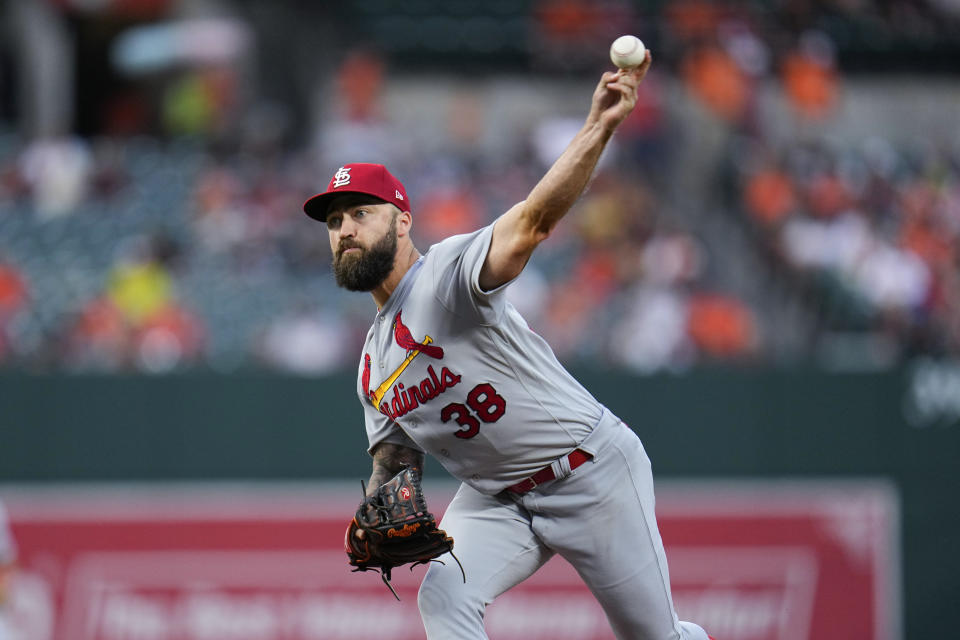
398	529
407	530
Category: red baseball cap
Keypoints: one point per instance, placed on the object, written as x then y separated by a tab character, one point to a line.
358	177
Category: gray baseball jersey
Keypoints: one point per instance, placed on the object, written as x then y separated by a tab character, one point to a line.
456	372
8	546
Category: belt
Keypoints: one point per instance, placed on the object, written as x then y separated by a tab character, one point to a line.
576	458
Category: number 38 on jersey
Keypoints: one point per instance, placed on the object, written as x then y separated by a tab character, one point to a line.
483	405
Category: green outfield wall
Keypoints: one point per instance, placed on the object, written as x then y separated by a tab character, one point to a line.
901	425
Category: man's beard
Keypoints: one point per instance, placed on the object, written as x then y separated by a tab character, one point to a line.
366	271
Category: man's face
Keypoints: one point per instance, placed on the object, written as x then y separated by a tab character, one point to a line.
363	237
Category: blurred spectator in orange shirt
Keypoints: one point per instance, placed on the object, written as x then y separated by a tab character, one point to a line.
14	296
931	244
810	77
355	124
565	19
714	77
720	326
769	196
447	210
360	80
13	291
690	20
570	33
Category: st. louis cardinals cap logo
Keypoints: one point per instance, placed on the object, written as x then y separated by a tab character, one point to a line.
359	177
341	178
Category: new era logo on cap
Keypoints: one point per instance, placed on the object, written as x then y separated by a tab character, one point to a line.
359	177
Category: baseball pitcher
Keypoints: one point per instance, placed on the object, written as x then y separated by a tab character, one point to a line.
450	368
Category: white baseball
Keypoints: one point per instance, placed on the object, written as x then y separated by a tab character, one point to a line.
627	52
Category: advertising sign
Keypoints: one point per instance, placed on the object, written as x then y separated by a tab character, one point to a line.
748	561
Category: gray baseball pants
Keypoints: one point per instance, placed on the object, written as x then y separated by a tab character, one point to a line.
600	518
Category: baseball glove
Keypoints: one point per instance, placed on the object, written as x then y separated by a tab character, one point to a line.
398	529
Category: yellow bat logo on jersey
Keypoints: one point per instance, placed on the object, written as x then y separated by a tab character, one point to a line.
379	392
405	400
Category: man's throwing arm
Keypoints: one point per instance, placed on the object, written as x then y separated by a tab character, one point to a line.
518	232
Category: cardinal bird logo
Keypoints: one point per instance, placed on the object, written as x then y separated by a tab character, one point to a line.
404	339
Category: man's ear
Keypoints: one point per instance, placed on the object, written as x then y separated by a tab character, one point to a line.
404	223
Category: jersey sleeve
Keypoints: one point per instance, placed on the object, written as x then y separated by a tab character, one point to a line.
8	546
455	266
380	428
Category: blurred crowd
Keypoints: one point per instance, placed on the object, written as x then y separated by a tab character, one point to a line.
870	231
186	246
618	283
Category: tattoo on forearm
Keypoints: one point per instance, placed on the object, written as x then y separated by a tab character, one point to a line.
388	460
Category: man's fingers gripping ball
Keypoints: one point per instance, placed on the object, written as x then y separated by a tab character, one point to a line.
628	52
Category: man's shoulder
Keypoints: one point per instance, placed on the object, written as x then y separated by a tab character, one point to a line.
452	245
